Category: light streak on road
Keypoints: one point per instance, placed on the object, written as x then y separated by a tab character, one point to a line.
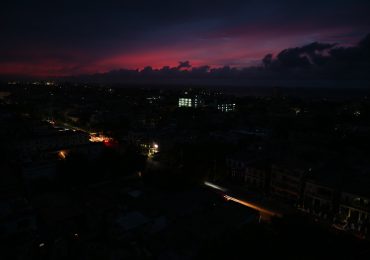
253	206
214	186
62	155
263	210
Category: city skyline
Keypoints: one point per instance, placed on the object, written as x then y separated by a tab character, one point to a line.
191	129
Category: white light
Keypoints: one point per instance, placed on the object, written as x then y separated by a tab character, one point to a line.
184	102
214	186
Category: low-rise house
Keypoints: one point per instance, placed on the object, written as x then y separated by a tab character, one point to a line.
320	199
287	183
354	208
251	173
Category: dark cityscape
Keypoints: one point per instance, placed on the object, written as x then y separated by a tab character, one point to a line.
185	130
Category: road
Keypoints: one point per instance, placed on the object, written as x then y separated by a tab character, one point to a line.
264	207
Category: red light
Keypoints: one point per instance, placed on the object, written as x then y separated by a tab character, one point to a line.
110	143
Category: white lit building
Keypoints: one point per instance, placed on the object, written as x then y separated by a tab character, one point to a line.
194	101
226	107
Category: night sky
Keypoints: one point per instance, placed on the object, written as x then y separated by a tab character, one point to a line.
61	38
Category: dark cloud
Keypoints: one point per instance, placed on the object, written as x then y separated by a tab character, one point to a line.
184	65
315	61
267	60
302	57
326	60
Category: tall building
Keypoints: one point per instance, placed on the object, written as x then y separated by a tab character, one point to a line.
190	101
226	107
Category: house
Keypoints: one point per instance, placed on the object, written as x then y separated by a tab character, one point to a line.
354	207
319	199
287	183
251	172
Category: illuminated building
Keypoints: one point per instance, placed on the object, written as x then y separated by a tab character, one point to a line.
318	199
153	149
226	107
191	101
354	211
150	149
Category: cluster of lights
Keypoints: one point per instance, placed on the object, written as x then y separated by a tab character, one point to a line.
12	83
50	83
153	99
226	107
196	102
185	102
47	83
189	102
50	121
94	138
153	149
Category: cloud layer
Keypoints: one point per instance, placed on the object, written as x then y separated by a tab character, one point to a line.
45	38
314	61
